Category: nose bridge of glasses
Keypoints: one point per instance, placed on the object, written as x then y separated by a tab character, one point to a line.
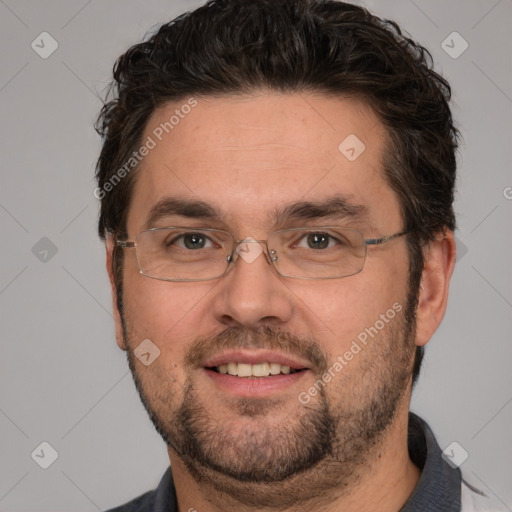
249	249
250	240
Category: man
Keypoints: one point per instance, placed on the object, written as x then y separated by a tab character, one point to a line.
276	186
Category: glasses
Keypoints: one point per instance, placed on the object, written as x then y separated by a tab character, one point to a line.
197	254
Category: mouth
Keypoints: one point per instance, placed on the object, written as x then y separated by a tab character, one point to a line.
255	373
257	370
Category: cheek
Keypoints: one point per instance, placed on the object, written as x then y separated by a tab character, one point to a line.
169	314
342	310
170	318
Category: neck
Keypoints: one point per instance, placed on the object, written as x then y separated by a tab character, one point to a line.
383	482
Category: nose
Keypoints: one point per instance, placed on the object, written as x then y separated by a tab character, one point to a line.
251	293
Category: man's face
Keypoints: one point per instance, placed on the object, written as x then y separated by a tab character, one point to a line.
250	157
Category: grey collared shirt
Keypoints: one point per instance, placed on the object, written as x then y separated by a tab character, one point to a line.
438	489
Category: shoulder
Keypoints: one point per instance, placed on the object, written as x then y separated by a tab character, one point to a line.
143	503
162	499
473	500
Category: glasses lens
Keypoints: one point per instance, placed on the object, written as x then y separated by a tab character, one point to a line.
183	254
318	252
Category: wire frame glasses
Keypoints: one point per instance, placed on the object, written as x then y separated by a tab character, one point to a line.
182	253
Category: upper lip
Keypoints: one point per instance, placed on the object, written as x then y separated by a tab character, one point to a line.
255	356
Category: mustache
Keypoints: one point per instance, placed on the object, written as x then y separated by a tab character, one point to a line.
205	347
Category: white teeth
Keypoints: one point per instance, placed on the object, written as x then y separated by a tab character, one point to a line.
260	370
275	368
253	370
244	370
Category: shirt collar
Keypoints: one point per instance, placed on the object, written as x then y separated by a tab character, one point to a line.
438	489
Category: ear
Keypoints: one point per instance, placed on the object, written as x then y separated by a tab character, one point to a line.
109	245
435	280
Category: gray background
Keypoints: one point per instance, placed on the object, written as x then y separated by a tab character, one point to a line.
63	379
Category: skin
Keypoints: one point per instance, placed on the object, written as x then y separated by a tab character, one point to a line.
248	155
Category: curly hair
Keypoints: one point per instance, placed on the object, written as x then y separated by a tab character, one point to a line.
239	46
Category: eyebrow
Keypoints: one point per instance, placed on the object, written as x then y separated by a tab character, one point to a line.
337	206
192	209
334	207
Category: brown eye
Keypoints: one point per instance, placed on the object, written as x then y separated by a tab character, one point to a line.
194	241
191	241
318	240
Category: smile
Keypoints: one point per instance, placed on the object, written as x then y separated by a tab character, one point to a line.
247	370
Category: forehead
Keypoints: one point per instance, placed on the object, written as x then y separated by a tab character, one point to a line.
253	154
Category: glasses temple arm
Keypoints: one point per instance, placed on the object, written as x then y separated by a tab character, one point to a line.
384	239
124	243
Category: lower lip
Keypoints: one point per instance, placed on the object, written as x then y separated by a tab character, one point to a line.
255	386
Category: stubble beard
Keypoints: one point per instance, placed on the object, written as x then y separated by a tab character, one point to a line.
320	449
